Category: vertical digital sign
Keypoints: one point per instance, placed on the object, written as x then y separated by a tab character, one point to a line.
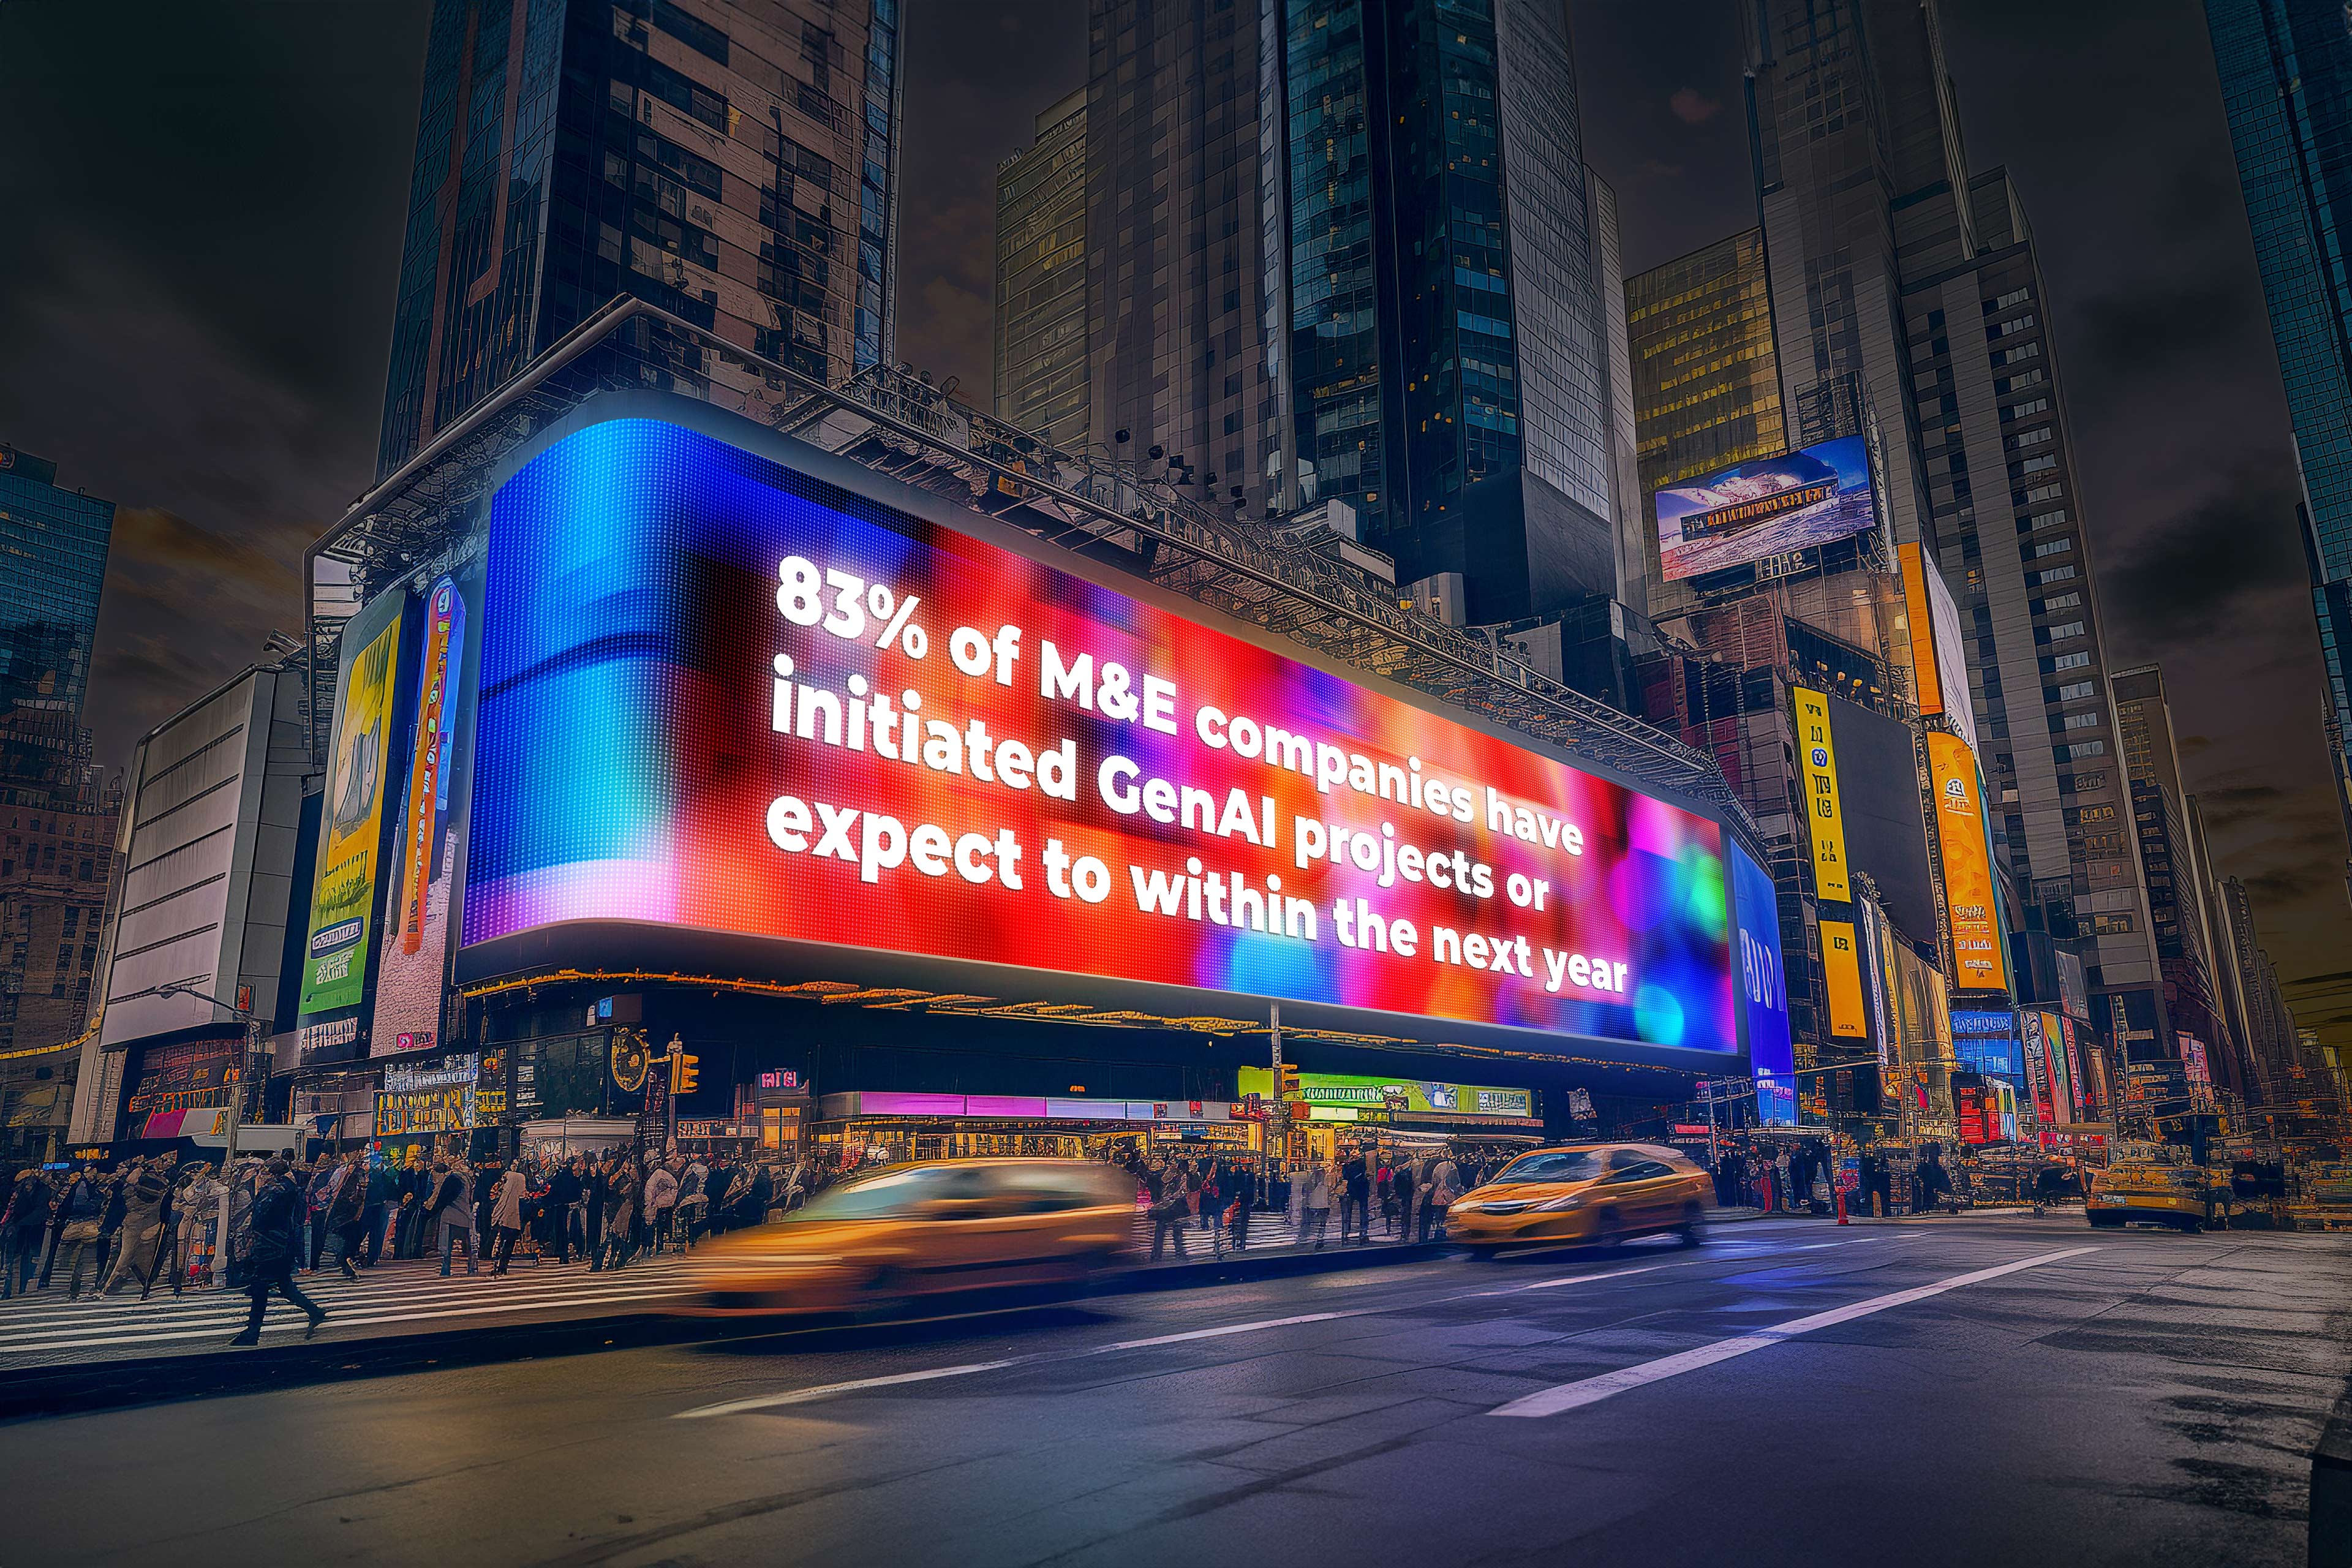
351	833
1764	991
1937	653
1972	912
1841	974
413	967
1818	754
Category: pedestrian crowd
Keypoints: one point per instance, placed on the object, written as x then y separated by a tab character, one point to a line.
1216	1196
159	1220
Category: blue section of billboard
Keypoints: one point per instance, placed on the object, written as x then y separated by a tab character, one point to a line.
1764	991
1767	506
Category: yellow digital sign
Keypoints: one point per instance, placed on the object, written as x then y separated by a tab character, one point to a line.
1817	754
1970	912
1842	970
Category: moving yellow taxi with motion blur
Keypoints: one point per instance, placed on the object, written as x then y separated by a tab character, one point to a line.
923	1230
1595	1193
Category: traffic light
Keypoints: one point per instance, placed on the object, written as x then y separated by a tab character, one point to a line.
681	1073
1289	1087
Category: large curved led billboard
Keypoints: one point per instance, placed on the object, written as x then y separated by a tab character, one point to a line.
718	694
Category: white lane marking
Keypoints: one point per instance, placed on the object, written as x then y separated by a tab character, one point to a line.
1228	1329
766	1400
823	1391
1592	1389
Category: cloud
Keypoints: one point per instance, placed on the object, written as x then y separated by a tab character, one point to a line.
1693	106
2232	548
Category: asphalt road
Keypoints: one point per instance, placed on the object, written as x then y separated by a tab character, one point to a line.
1965	1392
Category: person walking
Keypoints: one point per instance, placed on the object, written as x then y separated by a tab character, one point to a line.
660	1197
146	1188
269	1266
24	1227
453	1205
1168	1212
1314	1203
564	1195
596	1180
81	1210
620	1216
506	1213
1245	1199
1406	1183
1356	1199
348	1204
1444	1186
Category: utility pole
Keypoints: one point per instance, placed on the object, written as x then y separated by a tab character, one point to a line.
669	1134
1277	1121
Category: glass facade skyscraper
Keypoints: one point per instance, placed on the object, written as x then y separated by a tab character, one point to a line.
1908	301
1446	369
53	548
1041	279
733	162
2286	85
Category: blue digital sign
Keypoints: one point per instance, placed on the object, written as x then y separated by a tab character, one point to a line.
1764	991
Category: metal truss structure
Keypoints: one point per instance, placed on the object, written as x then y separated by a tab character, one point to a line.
426	518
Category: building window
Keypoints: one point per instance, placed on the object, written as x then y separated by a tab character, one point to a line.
2069	662
2052	547
2065	629
2081	720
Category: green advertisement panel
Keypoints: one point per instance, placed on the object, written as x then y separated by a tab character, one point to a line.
1419	1096
350	829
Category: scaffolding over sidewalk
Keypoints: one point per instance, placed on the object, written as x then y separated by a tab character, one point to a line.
424	519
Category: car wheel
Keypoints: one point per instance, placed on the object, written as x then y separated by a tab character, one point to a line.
2191	1226
1608	1230
1693	1230
2101	1221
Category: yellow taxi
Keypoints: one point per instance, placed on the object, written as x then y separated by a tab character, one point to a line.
923	1230
1597	1192
2156	1183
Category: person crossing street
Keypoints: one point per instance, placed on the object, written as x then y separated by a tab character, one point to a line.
277	1242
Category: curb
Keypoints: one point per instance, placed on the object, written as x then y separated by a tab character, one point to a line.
84	1387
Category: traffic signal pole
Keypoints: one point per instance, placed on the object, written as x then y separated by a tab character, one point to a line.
1277	1121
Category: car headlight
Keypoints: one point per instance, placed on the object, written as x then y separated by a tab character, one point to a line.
1555	1206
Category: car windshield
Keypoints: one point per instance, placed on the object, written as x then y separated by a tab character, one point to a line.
898	1192
1553	1165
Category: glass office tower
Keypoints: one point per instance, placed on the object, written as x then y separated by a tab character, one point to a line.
2286	85
1445	340
731	161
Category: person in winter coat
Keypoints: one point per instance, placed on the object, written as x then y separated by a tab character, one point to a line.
276	1241
195	1209
1314	1203
452	1203
506	1213
80	1209
1407	1182
564	1190
620	1216
1444	1186
348	1204
660	1198
23	1228
1168	1211
146	1187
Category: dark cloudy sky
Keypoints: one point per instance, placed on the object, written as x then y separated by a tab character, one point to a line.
196	286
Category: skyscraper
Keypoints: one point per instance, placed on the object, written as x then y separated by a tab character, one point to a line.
1177	321
1444	343
1041	279
53	547
1906	297
733	162
2171	854
1706	377
2286	86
